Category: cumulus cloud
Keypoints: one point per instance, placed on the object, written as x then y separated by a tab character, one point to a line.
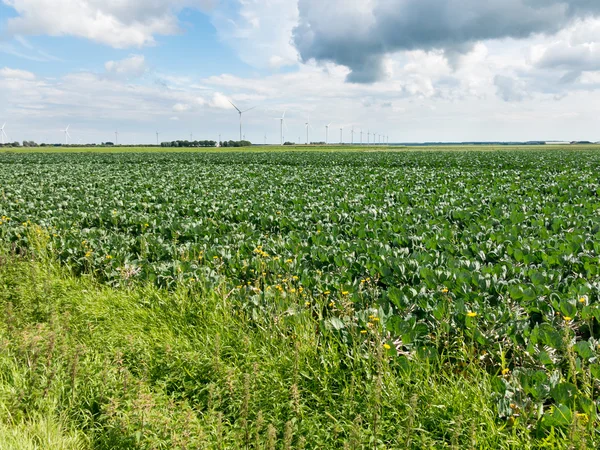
259	30
510	89
360	35
117	23
134	66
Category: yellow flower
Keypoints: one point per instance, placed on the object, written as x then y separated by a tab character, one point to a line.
568	319
289	261
471	314
445	291
363	332
386	346
307	304
505	371
583	299
332	304
108	257
327	292
301	289
292	291
344	293
583	418
295	278
88	254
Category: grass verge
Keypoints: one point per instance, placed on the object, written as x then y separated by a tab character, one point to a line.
83	365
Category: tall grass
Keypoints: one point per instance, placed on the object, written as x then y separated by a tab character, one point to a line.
83	365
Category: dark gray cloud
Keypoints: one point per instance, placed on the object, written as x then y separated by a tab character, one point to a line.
358	33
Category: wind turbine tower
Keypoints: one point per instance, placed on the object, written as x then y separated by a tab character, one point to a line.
327	133
341	135
67	135
116	137
3	134
241	112
281	124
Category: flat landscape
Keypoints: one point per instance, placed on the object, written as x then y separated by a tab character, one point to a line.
301	298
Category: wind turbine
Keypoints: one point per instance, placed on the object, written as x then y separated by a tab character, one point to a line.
116	137
157	133
352	133
67	135
368	136
281	124
327	133
341	135
307	124
3	133
241	112
361	134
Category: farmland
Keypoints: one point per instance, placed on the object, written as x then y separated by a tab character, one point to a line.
364	285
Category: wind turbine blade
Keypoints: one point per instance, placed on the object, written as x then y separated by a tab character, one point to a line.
67	129
68	135
254	107
285	125
234	106
283	117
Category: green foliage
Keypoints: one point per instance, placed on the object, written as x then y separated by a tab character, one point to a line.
89	366
465	259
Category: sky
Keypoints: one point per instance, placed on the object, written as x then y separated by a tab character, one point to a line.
413	70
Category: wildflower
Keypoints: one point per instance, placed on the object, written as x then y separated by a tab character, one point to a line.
307	304
301	289
583	299
505	371
386	346
289	261
295	278
583	418
88	254
215	257
108	257
568	319
332	304
445	291
375	319
471	314
327	292
292	291
363	332
344	293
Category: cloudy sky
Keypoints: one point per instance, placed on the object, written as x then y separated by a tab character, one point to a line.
416	70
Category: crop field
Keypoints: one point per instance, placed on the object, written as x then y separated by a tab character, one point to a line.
458	260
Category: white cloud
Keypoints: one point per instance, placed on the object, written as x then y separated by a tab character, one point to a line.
259	30
16	74
117	23
134	66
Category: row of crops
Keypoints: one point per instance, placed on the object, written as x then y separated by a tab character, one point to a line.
491	257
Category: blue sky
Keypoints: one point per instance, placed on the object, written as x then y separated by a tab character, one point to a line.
173	66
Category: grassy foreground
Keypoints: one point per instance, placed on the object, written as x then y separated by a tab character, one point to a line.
84	365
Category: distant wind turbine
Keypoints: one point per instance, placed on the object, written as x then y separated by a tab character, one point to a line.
307	124
281	125
352	133
341	135
241	112
157	133
327	133
3	134
361	134
368	136
67	135
116	137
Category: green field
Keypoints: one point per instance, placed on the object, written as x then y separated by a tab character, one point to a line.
406	298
